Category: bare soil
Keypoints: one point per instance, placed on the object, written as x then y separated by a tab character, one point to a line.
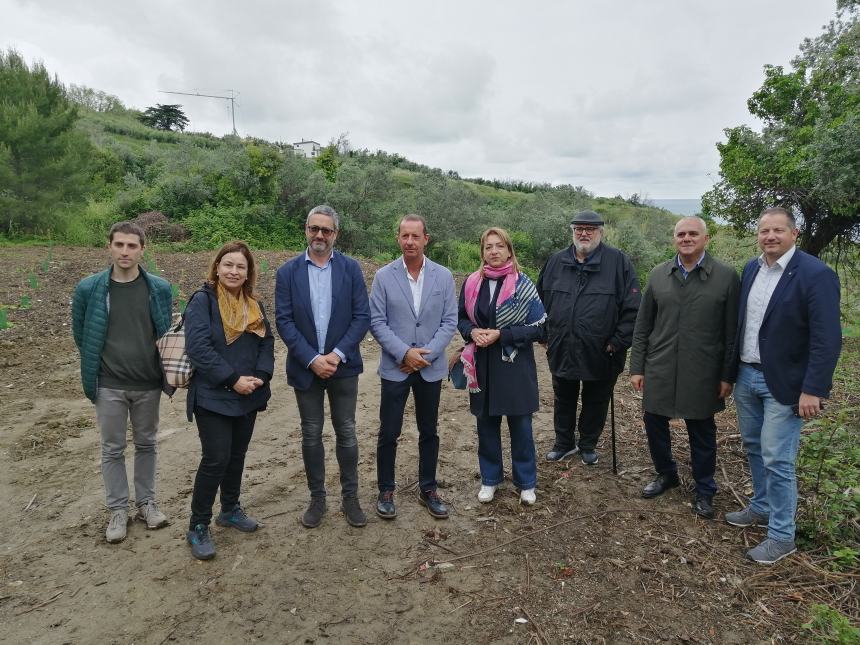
591	562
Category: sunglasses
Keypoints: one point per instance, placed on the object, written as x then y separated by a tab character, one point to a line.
327	232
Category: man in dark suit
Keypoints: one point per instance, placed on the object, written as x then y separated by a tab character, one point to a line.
322	316
789	340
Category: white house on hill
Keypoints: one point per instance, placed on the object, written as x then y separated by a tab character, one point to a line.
307	148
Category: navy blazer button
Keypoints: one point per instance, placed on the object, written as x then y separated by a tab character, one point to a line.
413	344
417	324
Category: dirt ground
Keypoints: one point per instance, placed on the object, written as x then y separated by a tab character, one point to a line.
590	562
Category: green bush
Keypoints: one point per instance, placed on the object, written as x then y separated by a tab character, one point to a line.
90	226
827	625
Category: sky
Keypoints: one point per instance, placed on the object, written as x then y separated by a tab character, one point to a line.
619	97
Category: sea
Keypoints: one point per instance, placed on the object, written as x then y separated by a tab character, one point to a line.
678	206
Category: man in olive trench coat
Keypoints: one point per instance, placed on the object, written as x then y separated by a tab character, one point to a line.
682	357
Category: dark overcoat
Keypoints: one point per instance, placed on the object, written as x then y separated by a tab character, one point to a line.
684	339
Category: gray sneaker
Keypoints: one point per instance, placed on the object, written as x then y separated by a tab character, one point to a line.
148	512
747	517
557	454
116	528
771	551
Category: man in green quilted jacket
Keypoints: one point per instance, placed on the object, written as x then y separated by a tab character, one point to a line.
117	315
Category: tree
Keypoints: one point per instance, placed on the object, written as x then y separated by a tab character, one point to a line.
43	157
807	156
164	117
95	100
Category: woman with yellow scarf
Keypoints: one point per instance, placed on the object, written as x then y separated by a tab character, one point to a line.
230	344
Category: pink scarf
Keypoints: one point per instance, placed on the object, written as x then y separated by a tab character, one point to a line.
471	290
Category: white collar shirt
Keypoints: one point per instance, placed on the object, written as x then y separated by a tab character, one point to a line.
416	285
760	293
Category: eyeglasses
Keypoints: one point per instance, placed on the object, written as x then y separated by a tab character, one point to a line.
584	229
327	232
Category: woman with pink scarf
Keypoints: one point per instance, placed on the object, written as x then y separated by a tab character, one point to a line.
501	317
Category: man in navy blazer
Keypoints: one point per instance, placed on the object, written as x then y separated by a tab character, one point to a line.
322	315
789	339
413	316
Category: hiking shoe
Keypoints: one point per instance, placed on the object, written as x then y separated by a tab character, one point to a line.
528	496
352	509
771	551
116	528
433	502
313	516
703	506
747	517
202	546
589	457
557	454
486	494
238	520
148	512
385	505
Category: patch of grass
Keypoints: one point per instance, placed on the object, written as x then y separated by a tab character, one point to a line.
826	625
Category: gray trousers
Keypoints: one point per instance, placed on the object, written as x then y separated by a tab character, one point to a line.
342	396
113	410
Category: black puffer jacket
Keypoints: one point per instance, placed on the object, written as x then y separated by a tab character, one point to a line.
588	306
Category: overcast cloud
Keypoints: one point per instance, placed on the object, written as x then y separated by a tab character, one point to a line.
620	97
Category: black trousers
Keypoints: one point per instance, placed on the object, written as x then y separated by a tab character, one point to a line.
224	441
392	405
592	417
703	449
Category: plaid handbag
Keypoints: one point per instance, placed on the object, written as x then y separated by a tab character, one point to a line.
174	361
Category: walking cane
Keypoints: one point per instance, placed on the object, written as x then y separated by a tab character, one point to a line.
612	424
612	417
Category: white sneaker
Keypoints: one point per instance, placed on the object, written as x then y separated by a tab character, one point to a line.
528	496
116	528
149	513
486	494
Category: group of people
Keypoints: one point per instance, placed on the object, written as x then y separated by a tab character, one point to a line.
696	332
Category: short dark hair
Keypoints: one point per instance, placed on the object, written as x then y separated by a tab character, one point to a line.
129	228
412	217
779	210
235	247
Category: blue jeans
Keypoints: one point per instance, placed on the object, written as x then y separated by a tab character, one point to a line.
771	434
523	461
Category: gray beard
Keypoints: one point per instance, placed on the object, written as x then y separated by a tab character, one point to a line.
586	248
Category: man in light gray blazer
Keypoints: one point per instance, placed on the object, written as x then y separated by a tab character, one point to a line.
413	316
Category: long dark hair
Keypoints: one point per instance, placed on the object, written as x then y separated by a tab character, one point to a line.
237	246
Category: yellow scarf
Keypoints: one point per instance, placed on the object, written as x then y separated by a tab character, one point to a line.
239	315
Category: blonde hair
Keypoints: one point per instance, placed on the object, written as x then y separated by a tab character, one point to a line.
506	238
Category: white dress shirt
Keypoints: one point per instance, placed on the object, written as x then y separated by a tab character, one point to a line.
416	286
760	293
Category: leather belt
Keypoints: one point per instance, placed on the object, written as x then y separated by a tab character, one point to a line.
755	366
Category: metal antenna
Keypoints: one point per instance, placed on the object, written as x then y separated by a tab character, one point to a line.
231	98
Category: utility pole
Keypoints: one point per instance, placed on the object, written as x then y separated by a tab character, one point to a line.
231	98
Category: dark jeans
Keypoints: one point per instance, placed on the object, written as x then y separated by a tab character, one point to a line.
342	396
224	441
595	403
392	405
703	449
523	460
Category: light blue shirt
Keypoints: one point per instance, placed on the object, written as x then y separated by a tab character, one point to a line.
319	284
683	269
